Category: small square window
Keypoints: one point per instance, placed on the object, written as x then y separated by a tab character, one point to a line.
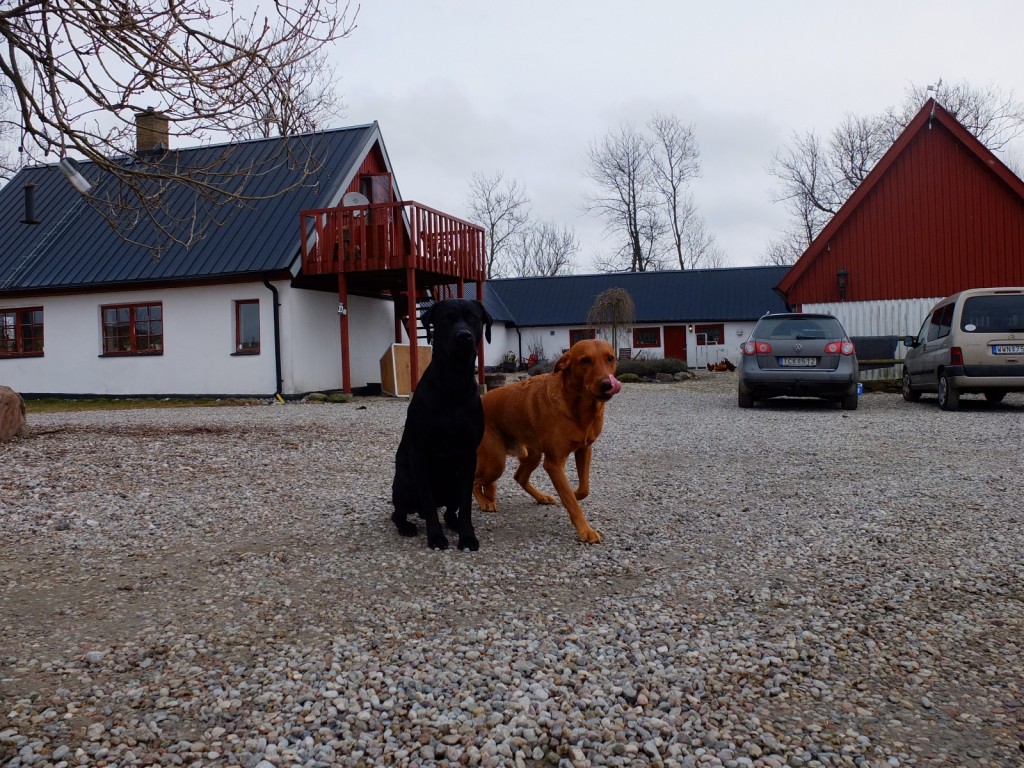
579	334
133	329
646	337
710	334
21	332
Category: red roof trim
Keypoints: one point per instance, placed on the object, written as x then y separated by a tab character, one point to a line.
930	111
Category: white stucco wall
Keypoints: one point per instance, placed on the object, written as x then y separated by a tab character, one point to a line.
198	345
199	337
312	334
552	340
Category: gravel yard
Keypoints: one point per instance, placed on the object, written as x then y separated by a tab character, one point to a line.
790	585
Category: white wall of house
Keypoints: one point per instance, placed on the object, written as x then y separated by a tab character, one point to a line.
199	339
199	342
551	340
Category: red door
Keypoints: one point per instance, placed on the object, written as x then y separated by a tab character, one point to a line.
675	341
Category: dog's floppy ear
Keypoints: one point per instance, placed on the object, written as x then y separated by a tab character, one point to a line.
563	363
488	321
427	318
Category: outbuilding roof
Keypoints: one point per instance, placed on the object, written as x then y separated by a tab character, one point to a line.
74	247
697	295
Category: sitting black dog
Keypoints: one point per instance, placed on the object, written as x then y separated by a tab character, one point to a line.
436	459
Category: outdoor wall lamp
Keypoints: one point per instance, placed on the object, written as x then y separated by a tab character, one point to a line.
842	277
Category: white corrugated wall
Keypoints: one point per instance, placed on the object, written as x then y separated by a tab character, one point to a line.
879	318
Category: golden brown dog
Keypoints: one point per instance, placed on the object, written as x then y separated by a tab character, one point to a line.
549	417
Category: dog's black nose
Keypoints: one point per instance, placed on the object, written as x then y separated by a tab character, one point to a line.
463	335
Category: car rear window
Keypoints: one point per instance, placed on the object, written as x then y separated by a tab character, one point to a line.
999	313
799	328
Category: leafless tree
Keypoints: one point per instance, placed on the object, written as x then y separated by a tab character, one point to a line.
698	247
675	161
544	249
79	72
620	166
502	208
817	177
297	96
645	199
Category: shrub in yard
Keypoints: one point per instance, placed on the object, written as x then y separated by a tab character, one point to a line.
648	369
628	378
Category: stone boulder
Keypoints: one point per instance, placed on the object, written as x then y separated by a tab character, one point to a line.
12	415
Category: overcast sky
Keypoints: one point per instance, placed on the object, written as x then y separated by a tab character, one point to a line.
524	87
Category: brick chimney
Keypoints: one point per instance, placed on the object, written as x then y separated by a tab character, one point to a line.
151	131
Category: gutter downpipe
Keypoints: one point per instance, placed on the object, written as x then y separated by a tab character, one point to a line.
277	338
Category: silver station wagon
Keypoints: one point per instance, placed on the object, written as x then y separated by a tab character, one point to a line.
798	355
970	342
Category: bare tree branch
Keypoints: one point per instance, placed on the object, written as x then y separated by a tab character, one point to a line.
645	200
816	178
620	166
544	249
79	72
503	210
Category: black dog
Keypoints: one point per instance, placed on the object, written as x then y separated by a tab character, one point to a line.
436	459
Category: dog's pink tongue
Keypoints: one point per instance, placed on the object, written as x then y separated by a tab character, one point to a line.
616	385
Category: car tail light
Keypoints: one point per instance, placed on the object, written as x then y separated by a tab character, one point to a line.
844	347
757	348
956	356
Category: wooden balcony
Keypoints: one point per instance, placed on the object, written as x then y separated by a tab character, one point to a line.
392	238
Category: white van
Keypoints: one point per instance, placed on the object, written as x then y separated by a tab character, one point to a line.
970	342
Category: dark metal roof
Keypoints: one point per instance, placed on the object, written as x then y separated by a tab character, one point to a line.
699	295
75	247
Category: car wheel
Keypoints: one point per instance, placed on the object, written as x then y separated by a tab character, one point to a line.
849	403
745	399
995	396
949	395
909	393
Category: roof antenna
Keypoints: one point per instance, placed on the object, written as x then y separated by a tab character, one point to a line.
933	94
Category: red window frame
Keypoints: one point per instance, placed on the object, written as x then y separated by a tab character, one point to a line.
638	337
579	334
710	333
132	329
21	332
240	342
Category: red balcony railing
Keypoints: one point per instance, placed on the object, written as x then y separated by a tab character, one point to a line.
391	236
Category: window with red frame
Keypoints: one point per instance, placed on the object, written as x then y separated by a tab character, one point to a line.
21	332
247	327
133	329
646	337
578	334
710	334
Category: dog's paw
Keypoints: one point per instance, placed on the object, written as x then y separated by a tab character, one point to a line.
589	536
438	542
469	541
545	498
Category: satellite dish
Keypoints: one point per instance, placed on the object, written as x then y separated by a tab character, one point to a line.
355	198
73	173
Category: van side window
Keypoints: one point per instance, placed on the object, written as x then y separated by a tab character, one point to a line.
940	322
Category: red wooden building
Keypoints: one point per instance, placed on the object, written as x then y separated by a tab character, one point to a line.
939	213
376	244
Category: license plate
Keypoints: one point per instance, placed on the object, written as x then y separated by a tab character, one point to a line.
1008	349
798	362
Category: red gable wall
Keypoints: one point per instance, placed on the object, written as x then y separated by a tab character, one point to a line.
943	214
